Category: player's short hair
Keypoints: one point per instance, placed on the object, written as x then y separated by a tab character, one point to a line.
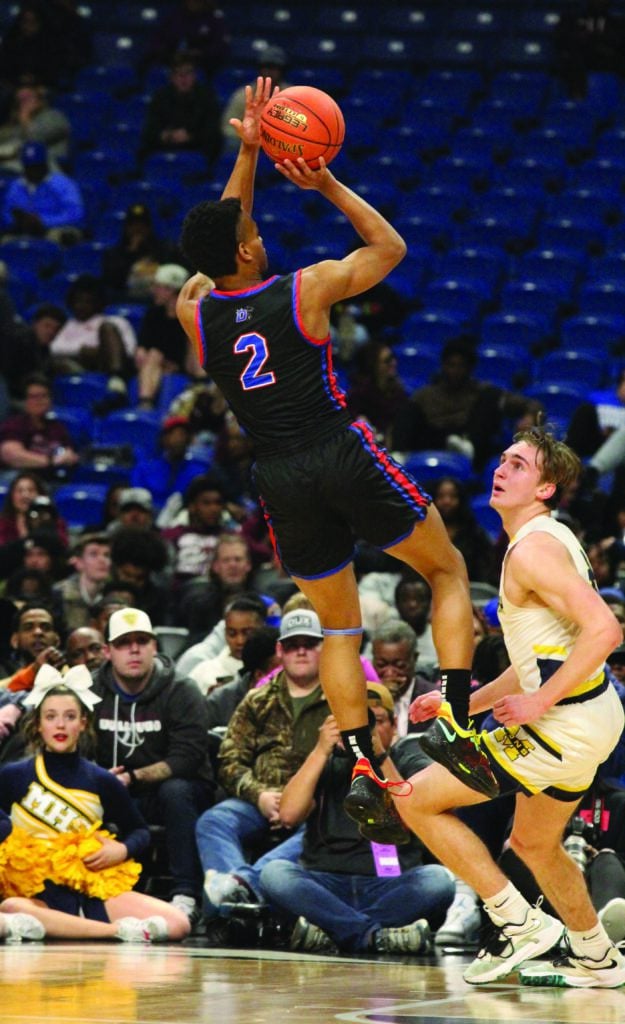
210	235
559	464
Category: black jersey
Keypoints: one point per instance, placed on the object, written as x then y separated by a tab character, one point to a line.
277	379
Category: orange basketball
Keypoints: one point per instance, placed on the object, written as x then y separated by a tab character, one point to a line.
302	121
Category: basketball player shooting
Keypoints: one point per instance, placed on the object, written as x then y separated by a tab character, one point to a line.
322	478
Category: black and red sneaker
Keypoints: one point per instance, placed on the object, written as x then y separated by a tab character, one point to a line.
369	802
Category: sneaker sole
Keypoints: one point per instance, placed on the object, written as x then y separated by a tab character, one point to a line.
556	980
364	805
545	940
441	755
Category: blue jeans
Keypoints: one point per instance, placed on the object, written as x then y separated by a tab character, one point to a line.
350	908
223	832
176	804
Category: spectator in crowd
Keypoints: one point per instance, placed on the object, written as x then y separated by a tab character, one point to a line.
171	473
137	557
42	202
465	533
589	38
35	640
195	27
241	618
182	115
71	31
215	640
203	601
135	508
413	600
151	733
26	49
33	119
91	560
31	439
14	521
271	64
28	346
162	344
195	542
46	552
270	734
92	339
258	658
129	266
376	392
85	646
394	656
113	597
459	412
338	892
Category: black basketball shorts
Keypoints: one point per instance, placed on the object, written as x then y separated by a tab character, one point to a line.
319	502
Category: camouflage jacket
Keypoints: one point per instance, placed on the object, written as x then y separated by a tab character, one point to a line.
264	744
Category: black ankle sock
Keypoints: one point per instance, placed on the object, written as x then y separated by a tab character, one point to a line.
456	690
358	743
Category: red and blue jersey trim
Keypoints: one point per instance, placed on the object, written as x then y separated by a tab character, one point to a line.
395	474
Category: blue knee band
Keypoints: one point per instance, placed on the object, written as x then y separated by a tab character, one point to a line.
355	631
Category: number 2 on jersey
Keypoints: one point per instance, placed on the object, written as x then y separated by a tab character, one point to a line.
252	376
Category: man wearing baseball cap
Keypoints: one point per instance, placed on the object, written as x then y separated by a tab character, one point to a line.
271	732
348	893
151	728
41	202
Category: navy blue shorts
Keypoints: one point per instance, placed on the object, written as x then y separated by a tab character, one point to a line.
61	897
319	502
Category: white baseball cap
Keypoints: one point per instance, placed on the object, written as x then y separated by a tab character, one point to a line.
128	620
300	622
172	275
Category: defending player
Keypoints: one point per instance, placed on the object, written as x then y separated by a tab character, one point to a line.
560	718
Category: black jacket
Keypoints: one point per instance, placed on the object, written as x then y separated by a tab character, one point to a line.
167	721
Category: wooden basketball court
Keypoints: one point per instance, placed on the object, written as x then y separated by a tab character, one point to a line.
89	983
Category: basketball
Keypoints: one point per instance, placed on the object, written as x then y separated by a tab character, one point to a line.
302	121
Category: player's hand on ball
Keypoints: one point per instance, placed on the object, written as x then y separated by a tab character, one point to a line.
304	176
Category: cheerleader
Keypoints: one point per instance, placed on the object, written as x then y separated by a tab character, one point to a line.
62	872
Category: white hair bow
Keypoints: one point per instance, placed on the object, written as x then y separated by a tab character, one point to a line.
77	679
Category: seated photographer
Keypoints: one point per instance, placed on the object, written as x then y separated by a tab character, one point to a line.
356	892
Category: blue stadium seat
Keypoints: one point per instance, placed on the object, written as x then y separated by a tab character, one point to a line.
429	465
467	297
529	294
489	263
80	504
560	399
501	364
598	332
354	19
416	363
571	365
79	389
524	52
602	297
83	258
35	255
139	429
78	421
459	51
432	328
527	88
532	328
